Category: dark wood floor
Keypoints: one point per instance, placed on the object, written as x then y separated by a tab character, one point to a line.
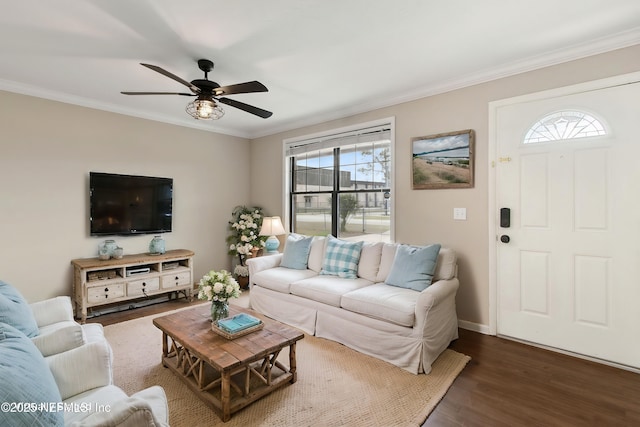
511	384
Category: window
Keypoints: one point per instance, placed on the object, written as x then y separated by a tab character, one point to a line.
564	125
340	184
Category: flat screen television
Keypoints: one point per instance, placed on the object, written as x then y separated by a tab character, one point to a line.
129	204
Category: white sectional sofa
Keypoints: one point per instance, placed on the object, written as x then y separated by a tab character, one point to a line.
400	325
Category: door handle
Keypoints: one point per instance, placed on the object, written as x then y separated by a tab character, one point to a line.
505	217
505	239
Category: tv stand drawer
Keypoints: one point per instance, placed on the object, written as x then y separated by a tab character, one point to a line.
143	286
176	279
98	294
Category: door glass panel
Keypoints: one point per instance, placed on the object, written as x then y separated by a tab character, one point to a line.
564	125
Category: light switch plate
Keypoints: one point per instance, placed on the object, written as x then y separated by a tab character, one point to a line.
460	213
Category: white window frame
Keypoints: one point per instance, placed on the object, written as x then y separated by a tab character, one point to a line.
287	143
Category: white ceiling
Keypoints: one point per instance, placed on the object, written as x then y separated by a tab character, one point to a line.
321	60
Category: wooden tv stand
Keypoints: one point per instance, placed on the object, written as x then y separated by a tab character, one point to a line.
98	282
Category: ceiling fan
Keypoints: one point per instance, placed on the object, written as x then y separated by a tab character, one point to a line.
207	93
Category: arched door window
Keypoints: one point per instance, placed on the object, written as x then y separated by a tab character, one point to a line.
564	125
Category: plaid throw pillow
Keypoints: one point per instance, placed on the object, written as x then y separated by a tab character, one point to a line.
341	258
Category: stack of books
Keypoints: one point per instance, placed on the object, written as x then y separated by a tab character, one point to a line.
238	323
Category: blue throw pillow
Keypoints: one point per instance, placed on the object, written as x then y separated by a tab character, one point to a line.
15	311
341	258
413	267
296	252
25	379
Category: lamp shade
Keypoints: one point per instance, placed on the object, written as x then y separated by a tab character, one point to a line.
271	226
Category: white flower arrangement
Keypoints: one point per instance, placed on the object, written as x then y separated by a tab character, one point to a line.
218	286
245	232
241	270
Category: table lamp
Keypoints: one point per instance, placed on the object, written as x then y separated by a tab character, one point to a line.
272	227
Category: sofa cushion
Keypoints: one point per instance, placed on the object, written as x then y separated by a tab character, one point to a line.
384	302
25	378
341	258
15	311
370	260
279	279
386	261
316	253
296	252
446	265
327	289
413	267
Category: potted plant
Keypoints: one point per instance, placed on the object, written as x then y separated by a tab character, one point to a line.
244	240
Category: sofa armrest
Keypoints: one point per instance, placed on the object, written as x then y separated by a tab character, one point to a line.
54	310
82	368
145	408
59	337
157	399
436	304
261	263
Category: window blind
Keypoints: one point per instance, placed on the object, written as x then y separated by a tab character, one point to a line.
364	135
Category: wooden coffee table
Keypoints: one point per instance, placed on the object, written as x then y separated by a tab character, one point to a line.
227	374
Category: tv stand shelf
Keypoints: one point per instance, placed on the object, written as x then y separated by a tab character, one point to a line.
98	282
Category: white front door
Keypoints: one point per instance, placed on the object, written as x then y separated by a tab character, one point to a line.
569	276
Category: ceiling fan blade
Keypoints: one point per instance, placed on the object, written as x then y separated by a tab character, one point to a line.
248	87
164	72
246	107
157	93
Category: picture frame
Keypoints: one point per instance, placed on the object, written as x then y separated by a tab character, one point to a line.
444	160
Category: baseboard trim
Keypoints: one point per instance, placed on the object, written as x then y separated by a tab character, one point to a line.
572	354
475	327
484	329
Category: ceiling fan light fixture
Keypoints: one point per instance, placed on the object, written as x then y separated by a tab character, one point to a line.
204	109
205	106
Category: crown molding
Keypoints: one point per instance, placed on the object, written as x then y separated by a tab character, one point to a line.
578	51
559	56
22	89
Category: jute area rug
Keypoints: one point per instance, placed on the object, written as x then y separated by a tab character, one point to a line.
336	386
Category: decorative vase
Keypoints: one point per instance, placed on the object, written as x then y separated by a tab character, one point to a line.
118	253
219	310
156	246
243	281
106	249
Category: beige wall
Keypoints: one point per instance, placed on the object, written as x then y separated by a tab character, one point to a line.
44	165
425	216
47	150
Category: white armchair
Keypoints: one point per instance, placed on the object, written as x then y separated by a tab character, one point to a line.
59	331
84	376
47	358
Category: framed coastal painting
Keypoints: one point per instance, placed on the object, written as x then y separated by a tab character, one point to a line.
444	160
